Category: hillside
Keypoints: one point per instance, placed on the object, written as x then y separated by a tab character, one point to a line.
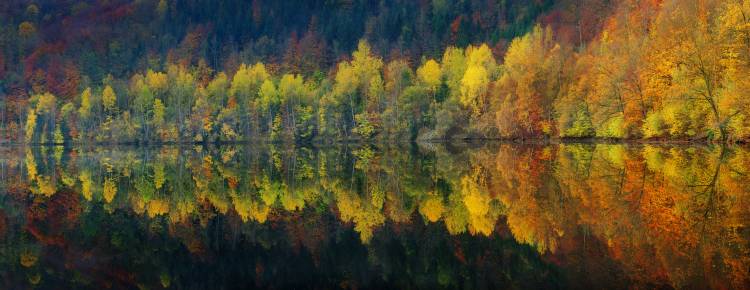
204	71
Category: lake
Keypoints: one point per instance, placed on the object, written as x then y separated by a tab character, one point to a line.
423	216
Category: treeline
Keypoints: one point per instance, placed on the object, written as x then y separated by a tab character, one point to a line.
664	70
51	43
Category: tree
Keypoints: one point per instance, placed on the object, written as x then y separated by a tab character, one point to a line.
26	29
109	99
429	73
688	57
529	85
161	8
46	105
157	82
180	97
84	111
244	90
453	67
398	76
143	104
733	27
217	92
30	125
201	123
158	114
345	87
474	88
291	92
269	99
354	80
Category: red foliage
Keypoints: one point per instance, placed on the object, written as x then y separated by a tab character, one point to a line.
458	252
62	79
73	127
232	103
3	223
455	26
2	66
191	44
30	62
291	60
233	182
577	22
16	103
38	81
121	12
48	219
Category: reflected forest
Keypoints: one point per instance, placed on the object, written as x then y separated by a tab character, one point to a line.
374	144
433	216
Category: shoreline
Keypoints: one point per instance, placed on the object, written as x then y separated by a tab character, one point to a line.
467	141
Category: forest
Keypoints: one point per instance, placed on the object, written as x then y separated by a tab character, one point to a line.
162	71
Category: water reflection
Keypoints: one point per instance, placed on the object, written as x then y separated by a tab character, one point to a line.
428	216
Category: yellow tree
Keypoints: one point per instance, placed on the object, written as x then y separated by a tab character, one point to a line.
733	26
573	110
360	78
474	88
291	92
246	82
158	116
529	85
467	75
30	125
612	82
244	91
429	73
109	99
157	82
367	67
453	67
46	105
481	66
431	76
84	111
689	51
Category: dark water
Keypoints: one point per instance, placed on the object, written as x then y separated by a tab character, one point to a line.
573	216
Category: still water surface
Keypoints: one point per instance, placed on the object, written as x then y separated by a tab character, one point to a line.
569	216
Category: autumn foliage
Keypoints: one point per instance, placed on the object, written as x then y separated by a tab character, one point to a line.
638	70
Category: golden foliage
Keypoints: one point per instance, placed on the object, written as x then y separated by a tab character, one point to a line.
28	259
110	189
